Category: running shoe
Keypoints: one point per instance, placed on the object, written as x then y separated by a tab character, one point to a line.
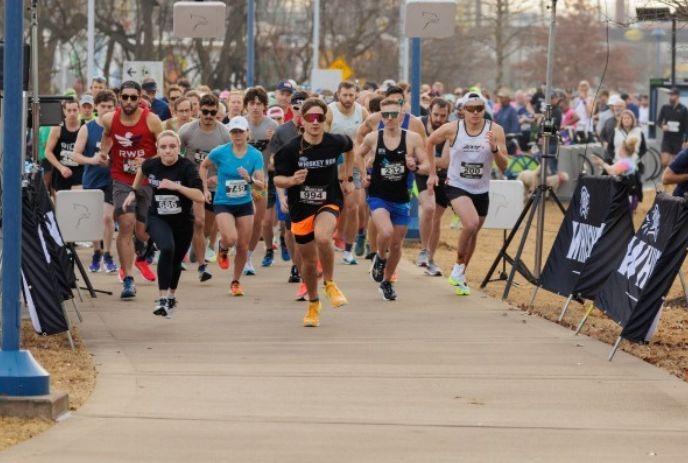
359	248
95	262
210	255
284	250
458	275
172	302
203	273
302	292
236	289
269	257
339	244
348	258
462	289
223	258
183	267
387	291
110	266
377	270
128	288
312	318
370	255
294	276
433	270
145	270
335	295
423	258
248	268
162	307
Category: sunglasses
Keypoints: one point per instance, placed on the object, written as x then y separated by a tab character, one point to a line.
129	97
474	109
390	114
209	112
314	117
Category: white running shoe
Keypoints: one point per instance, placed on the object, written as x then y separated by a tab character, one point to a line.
348	258
423	258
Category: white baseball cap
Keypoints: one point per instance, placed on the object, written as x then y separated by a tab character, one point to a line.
238	123
614	100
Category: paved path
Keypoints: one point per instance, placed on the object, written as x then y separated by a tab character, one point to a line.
429	378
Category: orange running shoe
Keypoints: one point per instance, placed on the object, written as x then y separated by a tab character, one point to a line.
302	292
236	289
145	270
223	258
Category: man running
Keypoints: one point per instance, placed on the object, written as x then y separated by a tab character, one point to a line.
182	114
432	206
344	117
97	177
129	137
474	144
261	129
198	138
388	195
307	167
283	95
59	149
673	120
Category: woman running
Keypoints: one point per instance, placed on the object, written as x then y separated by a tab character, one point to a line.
176	185
239	170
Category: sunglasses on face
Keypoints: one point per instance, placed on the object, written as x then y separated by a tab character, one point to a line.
129	97
390	114
314	117
209	112
474	109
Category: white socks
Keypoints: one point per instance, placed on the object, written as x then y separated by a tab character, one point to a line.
459	272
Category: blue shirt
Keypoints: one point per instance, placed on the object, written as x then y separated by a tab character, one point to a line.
680	166
508	119
232	189
94	176
161	109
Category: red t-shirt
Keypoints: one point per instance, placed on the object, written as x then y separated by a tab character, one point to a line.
130	142
288	114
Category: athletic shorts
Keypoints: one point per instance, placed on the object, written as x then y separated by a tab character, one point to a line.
283	216
144	196
209	206
481	201
304	230
671	146
399	213
60	183
272	190
47	167
440	195
107	192
239	210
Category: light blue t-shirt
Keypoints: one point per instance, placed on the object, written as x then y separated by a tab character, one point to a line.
232	189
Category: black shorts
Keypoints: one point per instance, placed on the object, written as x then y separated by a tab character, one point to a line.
60	183
671	146
209	206
240	210
272	190
481	201
440	195
107	193
47	167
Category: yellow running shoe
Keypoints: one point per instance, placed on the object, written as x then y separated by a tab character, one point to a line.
462	289
236	289
335	295
312	318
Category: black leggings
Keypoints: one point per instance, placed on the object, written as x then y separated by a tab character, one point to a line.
172	239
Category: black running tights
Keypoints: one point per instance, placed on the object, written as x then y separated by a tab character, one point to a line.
172	239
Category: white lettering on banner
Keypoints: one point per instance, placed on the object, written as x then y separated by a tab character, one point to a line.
584	238
639	262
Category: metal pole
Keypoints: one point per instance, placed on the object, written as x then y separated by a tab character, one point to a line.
316	35
35	101
250	43
19	372
673	50
546	137
403	45
90	42
416	64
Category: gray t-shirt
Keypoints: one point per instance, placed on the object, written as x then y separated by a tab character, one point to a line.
283	134
196	143
259	137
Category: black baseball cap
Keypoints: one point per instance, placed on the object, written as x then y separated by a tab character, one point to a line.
298	98
674	91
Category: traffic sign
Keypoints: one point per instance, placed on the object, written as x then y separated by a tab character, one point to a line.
342	65
139	70
430	18
199	19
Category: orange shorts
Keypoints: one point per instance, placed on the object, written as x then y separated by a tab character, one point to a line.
304	230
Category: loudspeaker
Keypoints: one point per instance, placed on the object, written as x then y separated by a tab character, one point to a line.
27	65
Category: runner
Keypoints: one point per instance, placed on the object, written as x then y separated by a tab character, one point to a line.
96	177
344	117
673	120
98	84
388	195
195	99
182	114
86	108
60	149
239	170
175	184
261	129
235	104
474	144
129	137
198	138
283	94
432	206
307	167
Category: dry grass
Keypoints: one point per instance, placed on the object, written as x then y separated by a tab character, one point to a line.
70	372
669	347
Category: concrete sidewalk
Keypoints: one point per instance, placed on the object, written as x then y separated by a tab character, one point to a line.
429	378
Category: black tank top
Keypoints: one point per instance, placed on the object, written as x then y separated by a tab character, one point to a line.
442	173
389	177
65	147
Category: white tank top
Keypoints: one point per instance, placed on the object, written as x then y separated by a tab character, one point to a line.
470	160
343	124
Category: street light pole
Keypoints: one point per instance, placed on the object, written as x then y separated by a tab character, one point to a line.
316	36
250	43
673	49
90	43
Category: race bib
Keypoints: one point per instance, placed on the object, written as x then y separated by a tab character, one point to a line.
313	194
392	171
236	188
199	156
130	166
168	204
66	158
471	170
673	126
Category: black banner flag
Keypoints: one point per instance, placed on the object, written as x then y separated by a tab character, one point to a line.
635	291
592	238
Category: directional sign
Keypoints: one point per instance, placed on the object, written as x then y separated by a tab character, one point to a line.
430	18
199	19
342	65
139	70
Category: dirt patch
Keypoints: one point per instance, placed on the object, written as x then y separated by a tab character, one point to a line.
668	348
70	372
